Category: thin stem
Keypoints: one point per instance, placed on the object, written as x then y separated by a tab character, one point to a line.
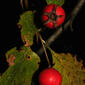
50	40
44	49
21	3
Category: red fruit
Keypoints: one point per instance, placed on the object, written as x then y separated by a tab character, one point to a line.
49	8
50	76
45	18
54	14
50	24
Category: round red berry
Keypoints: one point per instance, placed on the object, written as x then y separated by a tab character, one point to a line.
50	76
53	16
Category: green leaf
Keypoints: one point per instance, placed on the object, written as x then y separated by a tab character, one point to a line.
70	69
28	27
22	71
58	2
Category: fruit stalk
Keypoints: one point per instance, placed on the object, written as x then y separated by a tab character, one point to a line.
44	50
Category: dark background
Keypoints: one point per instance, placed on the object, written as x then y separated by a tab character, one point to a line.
73	42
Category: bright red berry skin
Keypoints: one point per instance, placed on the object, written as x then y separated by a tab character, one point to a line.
60	11
45	17
49	8
50	76
54	14
50	24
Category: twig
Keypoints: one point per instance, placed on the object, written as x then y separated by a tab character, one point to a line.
21	3
60	30
44	49
77	8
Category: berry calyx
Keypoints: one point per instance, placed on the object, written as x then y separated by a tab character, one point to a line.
50	76
54	14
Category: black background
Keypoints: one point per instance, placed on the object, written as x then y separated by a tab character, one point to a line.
73	42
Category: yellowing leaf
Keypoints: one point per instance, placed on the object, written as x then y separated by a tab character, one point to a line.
21	72
28	27
70	69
